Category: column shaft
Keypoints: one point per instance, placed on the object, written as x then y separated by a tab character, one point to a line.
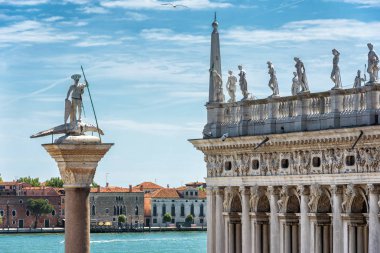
219	235
360	239
337	223
326	239
305	224
226	230
274	224
238	239
288	239
253	236
210	221
258	238
245	224
265	239
373	223
231	238
77	225
294	238
352	239
318	239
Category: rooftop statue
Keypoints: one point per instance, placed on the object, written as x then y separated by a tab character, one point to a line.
359	80
218	86
231	86
373	61
73	109
295	84
243	83
273	84
301	73
335	73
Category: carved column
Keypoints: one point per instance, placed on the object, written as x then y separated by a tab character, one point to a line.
274	223
210	220
304	218
219	223
246	228
336	195
373	219
77	158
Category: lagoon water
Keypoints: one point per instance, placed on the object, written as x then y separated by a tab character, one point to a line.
155	242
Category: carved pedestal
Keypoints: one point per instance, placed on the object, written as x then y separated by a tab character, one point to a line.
77	158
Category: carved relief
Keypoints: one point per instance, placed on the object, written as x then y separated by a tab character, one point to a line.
227	198
315	194
349	194
283	199
256	193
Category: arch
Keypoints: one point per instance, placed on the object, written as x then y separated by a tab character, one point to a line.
263	205
163	209
117	210
359	204
201	210
293	204
235	205
192	210
182	210
324	204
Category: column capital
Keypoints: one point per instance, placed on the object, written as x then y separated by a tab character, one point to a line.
273	190
219	191
209	190
244	190
336	189
303	190
374	189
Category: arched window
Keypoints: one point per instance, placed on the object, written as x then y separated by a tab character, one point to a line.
163	209
154	210
13	213
121	209
136	210
114	210
118	210
173	210
93	210
201	210
182	210
192	209
53	212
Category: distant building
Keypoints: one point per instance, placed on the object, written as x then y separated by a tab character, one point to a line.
147	187
107	203
12	188
13	206
179	203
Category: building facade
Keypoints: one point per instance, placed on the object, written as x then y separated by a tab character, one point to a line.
107	203
293	174
179	203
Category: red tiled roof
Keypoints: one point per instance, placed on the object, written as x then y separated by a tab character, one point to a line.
148	185
181	188
40	191
113	189
14	183
167	193
202	194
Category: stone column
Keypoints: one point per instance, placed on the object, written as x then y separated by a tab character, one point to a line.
254	234
210	220
258	238
274	223
352	239
265	239
225	231
295	238
318	239
373	219
231	239
336	192
77	158
219	222
245	224
304	191
326	239
360	239
238	238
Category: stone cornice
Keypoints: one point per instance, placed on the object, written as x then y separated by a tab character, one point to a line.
318	140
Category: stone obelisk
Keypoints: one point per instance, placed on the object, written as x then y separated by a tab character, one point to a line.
77	156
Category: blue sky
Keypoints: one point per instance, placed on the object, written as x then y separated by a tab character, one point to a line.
147	65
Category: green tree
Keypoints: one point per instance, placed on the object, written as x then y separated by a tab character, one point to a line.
189	219
29	180
54	182
38	207
1	179
121	219
167	218
94	184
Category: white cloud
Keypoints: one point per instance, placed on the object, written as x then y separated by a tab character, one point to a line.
94	10
32	32
153	128
23	2
168	35
155	4
135	16
306	30
362	3
53	19
94	41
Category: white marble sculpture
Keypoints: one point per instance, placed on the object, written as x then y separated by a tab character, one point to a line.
372	68
301	73
231	87
243	83
218	86
73	109
358	80
295	84
273	84
335	73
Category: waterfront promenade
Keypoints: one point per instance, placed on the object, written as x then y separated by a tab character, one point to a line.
168	242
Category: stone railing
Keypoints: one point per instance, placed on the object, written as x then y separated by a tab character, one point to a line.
303	112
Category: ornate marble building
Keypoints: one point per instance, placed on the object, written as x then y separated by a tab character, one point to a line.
292	174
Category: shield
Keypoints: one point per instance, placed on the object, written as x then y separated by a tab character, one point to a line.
67	109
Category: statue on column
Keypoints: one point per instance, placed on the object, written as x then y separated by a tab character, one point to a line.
295	84
372	68
231	86
243	83
358	80
273	84
301	73
73	108
218	86
335	73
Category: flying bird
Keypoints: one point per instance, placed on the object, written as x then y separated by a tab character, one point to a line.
175	5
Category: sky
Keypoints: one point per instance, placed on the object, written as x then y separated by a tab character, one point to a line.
147	65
